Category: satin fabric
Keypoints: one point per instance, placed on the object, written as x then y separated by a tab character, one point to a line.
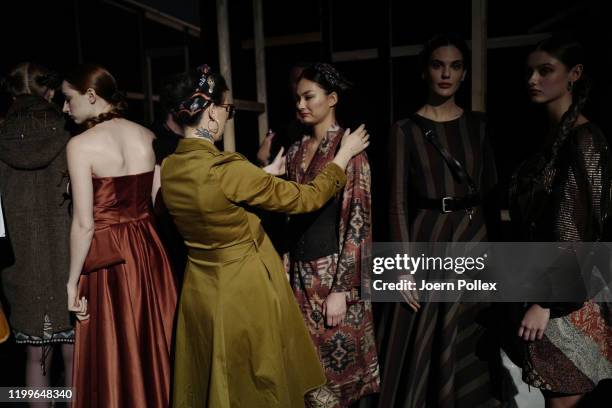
122	352
241	340
5	331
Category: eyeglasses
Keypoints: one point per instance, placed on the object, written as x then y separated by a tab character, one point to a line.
230	109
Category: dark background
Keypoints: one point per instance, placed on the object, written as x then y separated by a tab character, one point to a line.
386	89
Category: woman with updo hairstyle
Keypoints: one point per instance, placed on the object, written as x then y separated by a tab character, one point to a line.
327	246
562	193
33	180
442	171
121	286
240	339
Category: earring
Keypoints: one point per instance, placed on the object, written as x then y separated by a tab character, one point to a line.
570	86
215	128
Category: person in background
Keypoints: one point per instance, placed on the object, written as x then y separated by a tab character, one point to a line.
290	131
275	143
33	179
168	132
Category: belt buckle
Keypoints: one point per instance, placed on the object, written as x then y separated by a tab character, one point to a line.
445	204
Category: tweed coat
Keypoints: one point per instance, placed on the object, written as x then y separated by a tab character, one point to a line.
33	178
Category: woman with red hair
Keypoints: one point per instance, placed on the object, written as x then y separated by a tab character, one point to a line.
121	287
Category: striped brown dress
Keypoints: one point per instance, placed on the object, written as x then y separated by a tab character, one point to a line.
430	355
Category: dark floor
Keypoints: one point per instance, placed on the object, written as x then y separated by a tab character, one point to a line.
12	369
12	358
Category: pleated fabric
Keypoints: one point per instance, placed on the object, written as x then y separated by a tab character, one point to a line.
122	352
430	356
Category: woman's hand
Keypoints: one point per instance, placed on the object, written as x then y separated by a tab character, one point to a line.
355	142
351	145
277	167
411	296
534	323
78	306
334	308
263	154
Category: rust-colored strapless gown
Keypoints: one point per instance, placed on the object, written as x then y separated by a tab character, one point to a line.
122	352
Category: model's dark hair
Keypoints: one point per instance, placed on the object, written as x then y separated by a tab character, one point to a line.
98	78
174	89
199	89
327	77
444	40
570	53
28	78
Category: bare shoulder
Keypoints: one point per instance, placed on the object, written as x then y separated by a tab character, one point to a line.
135	128
84	141
126	130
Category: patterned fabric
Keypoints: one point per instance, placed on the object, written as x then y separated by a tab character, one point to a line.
576	351
49	337
347	351
430	356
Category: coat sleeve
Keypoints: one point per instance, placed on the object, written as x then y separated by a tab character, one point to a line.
245	183
355	225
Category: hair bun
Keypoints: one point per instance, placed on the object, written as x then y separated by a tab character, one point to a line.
336	81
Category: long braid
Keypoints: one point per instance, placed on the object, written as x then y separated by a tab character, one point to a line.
580	96
119	106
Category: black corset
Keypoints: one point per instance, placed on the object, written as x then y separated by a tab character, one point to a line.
315	234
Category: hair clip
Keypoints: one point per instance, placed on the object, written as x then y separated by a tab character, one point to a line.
206	83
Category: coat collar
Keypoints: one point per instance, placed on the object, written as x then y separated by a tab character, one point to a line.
191	144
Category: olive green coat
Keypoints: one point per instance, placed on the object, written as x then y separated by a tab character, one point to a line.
241	340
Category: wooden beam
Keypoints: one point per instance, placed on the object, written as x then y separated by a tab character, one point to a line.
173	23
386	60
186	50
155	15
559	17
139	96
516	40
225	64
166	52
241	104
357	55
77	32
479	55
326	27
250	106
148	91
406	50
414	50
145	71
260	66
276	41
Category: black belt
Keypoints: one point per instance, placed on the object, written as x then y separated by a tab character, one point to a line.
448	204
